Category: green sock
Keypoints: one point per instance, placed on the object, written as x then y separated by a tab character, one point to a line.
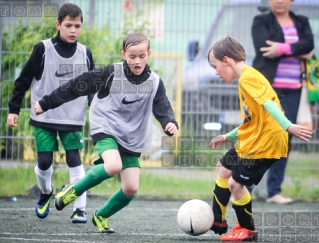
92	177
115	203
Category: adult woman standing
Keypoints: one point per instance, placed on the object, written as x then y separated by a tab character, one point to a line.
282	40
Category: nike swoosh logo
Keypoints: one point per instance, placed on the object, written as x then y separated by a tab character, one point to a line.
192	230
125	102
42	210
58	75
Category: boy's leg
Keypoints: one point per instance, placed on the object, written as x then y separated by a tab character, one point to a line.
221	200
242	205
46	143
72	142
130	176
221	191
246	172
71	192
120	199
44	171
244	229
77	172
112	166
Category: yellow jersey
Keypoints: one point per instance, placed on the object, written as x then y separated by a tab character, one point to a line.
260	136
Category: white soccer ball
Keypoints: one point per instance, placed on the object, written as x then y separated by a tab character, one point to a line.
195	217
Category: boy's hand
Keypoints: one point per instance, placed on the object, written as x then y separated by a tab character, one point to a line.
218	141
300	132
12	120
37	108
171	128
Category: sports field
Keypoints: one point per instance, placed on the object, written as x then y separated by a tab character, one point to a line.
149	221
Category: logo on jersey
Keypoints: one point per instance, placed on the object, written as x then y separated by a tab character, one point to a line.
58	75
126	102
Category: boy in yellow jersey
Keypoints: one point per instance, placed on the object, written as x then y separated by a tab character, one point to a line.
261	140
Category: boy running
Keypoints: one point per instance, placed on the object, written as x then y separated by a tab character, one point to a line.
261	140
51	62
127	93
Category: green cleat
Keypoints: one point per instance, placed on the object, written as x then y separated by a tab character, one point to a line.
65	197
102	224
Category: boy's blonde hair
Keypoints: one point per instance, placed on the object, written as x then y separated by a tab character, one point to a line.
229	47
134	39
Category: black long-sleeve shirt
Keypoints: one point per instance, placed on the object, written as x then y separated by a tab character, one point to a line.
100	81
34	69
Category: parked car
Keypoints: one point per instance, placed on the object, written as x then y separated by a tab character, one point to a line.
210	106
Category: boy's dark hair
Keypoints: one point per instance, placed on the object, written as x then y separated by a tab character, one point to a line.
134	39
229	47
71	10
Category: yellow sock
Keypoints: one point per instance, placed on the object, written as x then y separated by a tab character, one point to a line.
242	201
243	209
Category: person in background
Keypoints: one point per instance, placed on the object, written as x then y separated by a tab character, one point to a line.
52	61
282	40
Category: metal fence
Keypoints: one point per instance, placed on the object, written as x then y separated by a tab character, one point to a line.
204	106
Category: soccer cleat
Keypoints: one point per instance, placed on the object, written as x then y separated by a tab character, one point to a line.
102	224
78	216
65	197
220	228
239	234
42	207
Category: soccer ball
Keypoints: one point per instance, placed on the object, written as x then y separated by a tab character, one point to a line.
195	217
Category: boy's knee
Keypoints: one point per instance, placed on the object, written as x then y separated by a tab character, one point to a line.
45	160
234	186
113	170
130	190
222	171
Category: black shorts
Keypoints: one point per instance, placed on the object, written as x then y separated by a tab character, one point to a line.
246	171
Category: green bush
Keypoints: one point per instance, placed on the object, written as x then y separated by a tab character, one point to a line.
18	41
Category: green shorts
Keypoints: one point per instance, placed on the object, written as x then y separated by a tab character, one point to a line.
46	140
109	143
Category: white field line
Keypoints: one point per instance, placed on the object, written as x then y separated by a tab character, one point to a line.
21	236
159	209
85	234
88	209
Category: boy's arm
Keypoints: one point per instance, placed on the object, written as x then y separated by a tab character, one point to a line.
277	114
33	68
91	66
90	61
218	141
299	131
232	135
162	108
85	84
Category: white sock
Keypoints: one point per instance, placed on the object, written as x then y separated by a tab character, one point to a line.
44	178
77	173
